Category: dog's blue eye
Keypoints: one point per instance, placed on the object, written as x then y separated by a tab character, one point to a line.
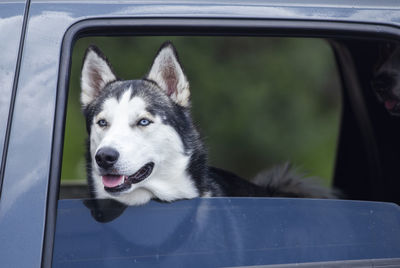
144	122
102	123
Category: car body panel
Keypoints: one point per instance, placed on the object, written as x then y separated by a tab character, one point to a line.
11	19
25	194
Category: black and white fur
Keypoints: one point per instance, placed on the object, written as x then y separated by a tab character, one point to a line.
143	144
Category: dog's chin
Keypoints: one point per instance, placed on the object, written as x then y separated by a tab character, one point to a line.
115	184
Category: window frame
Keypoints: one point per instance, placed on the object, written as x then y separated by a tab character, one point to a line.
194	27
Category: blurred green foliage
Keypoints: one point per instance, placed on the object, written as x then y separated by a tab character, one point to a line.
257	101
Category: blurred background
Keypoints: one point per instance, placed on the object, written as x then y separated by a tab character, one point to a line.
257	101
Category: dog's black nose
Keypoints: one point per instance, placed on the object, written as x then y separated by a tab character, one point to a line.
106	157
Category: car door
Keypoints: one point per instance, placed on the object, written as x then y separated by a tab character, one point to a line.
11	22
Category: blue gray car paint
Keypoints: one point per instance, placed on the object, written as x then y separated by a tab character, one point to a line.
26	177
11	19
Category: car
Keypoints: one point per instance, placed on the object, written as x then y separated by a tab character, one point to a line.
37	229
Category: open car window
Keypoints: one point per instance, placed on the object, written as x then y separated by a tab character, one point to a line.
258	102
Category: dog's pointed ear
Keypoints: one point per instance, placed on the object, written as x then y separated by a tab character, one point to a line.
167	72
96	73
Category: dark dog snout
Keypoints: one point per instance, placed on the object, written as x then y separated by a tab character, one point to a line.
106	157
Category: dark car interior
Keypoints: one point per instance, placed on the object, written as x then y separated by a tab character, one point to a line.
367	161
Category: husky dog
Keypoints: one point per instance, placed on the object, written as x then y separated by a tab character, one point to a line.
386	77
143	144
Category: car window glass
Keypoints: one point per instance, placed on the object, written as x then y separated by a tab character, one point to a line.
226	232
257	101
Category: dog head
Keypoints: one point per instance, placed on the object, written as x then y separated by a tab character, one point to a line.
386	79
141	137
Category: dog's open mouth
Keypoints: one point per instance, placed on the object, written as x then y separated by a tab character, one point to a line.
119	183
393	106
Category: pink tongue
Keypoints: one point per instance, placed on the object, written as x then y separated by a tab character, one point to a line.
112	181
389	104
